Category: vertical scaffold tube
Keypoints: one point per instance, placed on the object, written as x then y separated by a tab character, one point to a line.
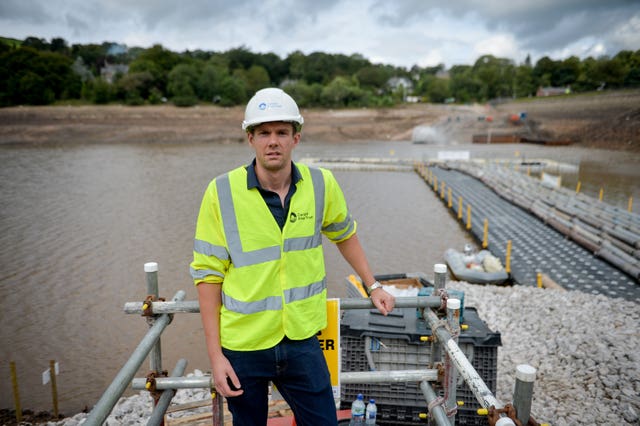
450	372
105	404
439	283
155	357
523	393
157	416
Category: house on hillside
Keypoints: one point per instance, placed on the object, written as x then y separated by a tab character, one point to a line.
400	83
553	91
109	71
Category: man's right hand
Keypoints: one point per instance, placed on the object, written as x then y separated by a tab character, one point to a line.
225	380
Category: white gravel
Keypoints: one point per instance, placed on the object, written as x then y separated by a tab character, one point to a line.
586	349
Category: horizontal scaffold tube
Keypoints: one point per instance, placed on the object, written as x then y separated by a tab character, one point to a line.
345	303
205	382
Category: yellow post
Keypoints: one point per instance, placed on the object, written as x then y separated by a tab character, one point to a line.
16	392
468	216
485	234
54	387
507	260
449	204
528	170
435	183
442	185
578	187
630	205
459	207
539	279
601	194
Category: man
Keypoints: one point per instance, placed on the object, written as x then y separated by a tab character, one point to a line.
259	269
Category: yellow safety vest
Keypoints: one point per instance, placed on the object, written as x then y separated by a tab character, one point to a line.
273	281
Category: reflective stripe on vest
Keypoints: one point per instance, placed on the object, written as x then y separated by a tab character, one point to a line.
241	258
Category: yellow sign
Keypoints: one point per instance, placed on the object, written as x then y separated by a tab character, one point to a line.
330	343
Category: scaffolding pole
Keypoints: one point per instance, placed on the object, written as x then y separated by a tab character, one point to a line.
479	388
191	306
206	382
157	416
119	384
436	413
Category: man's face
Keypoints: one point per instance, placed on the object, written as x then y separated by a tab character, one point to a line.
273	143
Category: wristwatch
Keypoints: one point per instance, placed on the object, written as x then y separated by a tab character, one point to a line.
373	287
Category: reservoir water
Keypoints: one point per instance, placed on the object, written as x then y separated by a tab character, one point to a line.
78	222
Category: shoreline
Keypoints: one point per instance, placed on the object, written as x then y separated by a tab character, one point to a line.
610	121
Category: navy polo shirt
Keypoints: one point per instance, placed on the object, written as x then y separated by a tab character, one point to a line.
272	199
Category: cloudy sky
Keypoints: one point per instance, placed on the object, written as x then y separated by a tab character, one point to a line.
397	32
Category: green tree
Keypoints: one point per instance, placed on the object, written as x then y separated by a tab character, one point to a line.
341	92
255	78
209	81
438	91
232	91
464	86
373	76
159	62
29	76
524	83
182	82
98	91
305	95
134	88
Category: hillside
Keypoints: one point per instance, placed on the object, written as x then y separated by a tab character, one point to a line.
607	120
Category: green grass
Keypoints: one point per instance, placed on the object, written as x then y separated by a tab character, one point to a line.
11	41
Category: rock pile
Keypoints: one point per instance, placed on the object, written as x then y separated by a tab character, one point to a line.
584	347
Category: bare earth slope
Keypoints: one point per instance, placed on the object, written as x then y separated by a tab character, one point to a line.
609	120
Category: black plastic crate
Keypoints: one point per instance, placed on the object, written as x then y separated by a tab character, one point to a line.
370	341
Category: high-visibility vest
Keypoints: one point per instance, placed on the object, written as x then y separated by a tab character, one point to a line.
274	281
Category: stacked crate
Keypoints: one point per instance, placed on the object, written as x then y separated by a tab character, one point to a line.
370	342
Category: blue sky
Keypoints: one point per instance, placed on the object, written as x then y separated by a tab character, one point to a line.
401	32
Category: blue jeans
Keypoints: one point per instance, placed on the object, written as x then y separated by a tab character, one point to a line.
299	371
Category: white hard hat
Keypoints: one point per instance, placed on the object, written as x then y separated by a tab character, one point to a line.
271	104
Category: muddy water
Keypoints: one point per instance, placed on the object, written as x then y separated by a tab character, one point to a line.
77	224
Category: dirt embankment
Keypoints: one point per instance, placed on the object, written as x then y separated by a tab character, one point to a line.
609	120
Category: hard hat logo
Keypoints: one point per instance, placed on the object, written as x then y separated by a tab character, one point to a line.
269	105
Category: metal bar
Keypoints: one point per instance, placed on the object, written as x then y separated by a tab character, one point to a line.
439	283
482	393
157	416
205	382
162	383
155	357
119	384
388	376
523	392
436	413
192	306
450	372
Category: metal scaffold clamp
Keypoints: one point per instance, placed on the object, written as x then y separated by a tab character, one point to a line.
147	307
150	385
439	401
495	414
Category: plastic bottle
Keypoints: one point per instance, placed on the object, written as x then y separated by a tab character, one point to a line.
357	411
371	413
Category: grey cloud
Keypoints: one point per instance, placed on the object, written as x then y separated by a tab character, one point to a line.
29	11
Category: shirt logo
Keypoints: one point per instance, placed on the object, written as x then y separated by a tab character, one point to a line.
294	217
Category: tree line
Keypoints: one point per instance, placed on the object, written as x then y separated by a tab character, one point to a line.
35	71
